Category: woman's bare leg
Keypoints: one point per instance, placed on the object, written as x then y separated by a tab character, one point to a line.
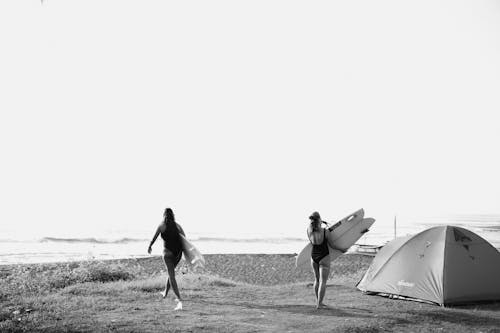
164	293
315	268
167	281
167	288
172	280
324	272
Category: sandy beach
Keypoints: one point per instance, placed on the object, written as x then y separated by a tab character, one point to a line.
233	293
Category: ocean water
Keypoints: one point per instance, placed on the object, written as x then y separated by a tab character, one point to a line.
486	226
122	244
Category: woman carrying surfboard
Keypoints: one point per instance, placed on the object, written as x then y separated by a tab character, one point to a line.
320	257
170	231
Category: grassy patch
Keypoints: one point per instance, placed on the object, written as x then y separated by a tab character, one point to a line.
360	329
42	279
188	282
151	285
120	296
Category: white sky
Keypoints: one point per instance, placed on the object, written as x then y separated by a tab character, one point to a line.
245	115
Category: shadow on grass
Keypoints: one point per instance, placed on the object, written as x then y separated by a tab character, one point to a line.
310	310
334	287
489	306
302	309
455	317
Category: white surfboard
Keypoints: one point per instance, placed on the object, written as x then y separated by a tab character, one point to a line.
339	228
191	253
344	234
342	228
350	235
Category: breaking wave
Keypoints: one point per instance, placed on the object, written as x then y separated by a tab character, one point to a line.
196	239
90	240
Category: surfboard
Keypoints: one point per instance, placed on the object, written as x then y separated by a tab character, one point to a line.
191	253
341	237
342	227
351	235
336	230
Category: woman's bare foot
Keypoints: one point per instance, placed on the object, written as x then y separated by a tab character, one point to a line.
179	305
321	306
164	293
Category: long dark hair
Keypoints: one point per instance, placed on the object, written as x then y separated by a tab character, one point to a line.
171	225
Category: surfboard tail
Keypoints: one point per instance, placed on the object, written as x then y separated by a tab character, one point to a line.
198	262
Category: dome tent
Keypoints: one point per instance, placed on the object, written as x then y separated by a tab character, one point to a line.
444	265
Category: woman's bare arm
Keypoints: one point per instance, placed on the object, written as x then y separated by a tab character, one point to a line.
154	239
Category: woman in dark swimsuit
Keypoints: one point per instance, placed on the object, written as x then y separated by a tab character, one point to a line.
170	231
320	257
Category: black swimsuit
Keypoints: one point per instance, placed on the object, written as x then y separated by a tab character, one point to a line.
172	241
321	250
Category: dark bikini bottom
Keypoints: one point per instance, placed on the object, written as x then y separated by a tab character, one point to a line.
319	252
317	257
172	257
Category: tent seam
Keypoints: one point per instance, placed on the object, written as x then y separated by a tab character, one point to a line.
444	264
